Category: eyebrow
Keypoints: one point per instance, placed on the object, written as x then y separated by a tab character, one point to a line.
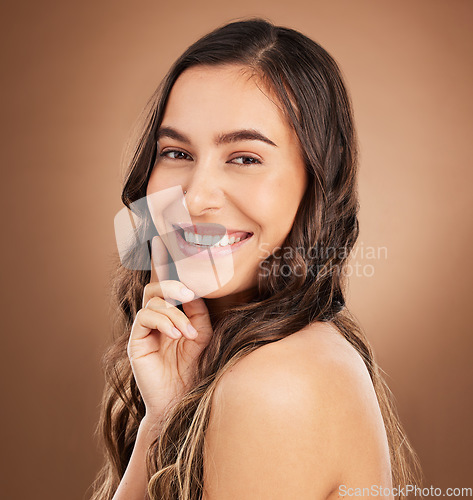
235	136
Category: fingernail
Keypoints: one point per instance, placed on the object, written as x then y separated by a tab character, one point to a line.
191	330
175	332
185	292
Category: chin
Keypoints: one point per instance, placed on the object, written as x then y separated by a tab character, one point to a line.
240	292
217	293
212	281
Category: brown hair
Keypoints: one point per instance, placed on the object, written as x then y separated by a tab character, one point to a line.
310	89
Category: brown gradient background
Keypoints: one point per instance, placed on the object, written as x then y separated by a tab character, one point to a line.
75	76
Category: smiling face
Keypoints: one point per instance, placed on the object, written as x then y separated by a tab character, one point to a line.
225	142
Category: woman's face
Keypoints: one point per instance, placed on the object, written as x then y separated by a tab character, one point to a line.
224	141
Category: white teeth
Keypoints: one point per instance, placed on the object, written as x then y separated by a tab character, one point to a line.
189	237
223	241
208	240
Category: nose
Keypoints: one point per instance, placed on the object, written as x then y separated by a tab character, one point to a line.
203	189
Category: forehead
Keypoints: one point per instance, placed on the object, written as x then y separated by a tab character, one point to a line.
221	98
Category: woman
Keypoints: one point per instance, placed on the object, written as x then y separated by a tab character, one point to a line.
262	386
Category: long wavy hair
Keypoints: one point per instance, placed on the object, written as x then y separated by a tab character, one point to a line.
311	93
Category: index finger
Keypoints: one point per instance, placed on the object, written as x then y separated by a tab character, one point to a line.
159	260
160	266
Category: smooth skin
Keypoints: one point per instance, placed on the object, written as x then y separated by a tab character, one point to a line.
249	185
296	418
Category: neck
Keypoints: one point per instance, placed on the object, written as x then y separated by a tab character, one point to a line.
218	306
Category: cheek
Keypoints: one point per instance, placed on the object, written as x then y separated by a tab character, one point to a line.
161	180
158	180
275	203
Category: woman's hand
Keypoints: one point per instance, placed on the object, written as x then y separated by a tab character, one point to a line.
164	342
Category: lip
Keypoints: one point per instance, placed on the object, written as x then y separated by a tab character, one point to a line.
209	229
202	252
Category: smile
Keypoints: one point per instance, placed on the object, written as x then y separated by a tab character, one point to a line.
193	239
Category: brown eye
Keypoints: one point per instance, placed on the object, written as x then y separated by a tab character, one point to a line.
247	160
165	153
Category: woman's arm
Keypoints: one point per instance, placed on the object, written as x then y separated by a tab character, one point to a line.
162	352
134	483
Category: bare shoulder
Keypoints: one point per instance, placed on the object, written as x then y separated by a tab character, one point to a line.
316	357
292	410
